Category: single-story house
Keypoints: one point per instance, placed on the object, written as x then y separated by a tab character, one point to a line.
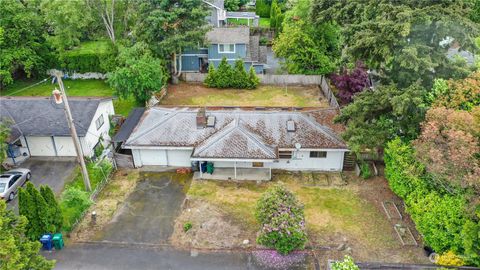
39	126
231	43
240	142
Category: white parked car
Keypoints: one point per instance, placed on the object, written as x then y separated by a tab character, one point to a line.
11	180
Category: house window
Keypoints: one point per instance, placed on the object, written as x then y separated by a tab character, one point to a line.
226	48
99	122
285	154
257	164
318	154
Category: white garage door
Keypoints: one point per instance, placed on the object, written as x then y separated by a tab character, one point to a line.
179	158
153	157
41	146
65	146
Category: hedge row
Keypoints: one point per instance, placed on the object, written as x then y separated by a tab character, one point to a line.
83	59
441	217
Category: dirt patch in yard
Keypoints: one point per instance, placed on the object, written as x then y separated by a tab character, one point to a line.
207	222
345	217
265	95
108	201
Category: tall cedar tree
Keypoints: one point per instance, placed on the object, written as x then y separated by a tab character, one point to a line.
402	40
55	213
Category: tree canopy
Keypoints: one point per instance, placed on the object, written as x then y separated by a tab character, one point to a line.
22	41
404	41
16	250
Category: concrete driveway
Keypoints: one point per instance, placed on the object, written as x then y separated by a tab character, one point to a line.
148	214
50	171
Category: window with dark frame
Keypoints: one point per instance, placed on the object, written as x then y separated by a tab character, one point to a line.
285	154
318	154
99	122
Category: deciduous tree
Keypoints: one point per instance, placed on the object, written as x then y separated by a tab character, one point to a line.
349	83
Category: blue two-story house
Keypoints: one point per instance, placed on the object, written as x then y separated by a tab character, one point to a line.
230	43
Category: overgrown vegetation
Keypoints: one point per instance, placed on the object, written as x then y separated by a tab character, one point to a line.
346	264
4	137
281	217
224	76
74	200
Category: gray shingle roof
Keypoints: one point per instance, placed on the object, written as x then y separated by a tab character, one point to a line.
236	35
40	116
237	133
129	124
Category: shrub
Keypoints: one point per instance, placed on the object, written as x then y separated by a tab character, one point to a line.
187	226
33	206
55	213
365	171
449	258
93	56
282	219
346	264
74	202
226	76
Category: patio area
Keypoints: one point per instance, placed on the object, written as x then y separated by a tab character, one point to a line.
252	174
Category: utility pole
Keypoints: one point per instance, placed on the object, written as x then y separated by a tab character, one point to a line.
61	96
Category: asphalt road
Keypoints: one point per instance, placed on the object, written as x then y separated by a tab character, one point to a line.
105	257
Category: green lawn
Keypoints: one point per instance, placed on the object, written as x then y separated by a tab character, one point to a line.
91	47
73	88
263	22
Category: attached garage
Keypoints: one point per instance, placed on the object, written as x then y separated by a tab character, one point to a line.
41	146
162	157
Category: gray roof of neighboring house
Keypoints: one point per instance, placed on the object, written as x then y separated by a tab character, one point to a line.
466	55
237	133
217	3
40	116
237	35
129	124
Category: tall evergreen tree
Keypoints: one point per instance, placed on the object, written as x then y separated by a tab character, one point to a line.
55	212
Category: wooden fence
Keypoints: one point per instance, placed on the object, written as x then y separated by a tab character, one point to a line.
327	92
265	79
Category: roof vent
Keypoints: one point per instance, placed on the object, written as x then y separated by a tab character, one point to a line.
290	126
211	121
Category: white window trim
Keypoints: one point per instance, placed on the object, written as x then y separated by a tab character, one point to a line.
234	47
96	121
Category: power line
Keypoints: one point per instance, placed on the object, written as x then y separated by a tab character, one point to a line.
30	86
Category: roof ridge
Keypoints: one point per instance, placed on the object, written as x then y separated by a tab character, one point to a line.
249	134
222	133
325	130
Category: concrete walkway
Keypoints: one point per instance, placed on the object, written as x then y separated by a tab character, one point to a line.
100	256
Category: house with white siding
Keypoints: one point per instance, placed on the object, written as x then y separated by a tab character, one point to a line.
39	126
237	143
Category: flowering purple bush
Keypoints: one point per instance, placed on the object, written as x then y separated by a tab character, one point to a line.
282	219
351	83
271	259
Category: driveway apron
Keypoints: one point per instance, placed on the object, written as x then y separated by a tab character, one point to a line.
148	214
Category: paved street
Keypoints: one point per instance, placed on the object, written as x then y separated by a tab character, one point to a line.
47	171
104	257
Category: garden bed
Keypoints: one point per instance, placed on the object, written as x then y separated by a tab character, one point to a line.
190	94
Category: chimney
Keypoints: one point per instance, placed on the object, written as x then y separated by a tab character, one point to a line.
201	118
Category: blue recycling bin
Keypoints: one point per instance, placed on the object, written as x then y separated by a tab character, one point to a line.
46	241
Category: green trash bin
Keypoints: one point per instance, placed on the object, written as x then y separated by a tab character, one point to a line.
57	241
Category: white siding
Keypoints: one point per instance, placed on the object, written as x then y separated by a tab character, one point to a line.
65	146
88	142
41	146
303	161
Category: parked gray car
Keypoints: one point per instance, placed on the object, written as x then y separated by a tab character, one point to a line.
11	180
